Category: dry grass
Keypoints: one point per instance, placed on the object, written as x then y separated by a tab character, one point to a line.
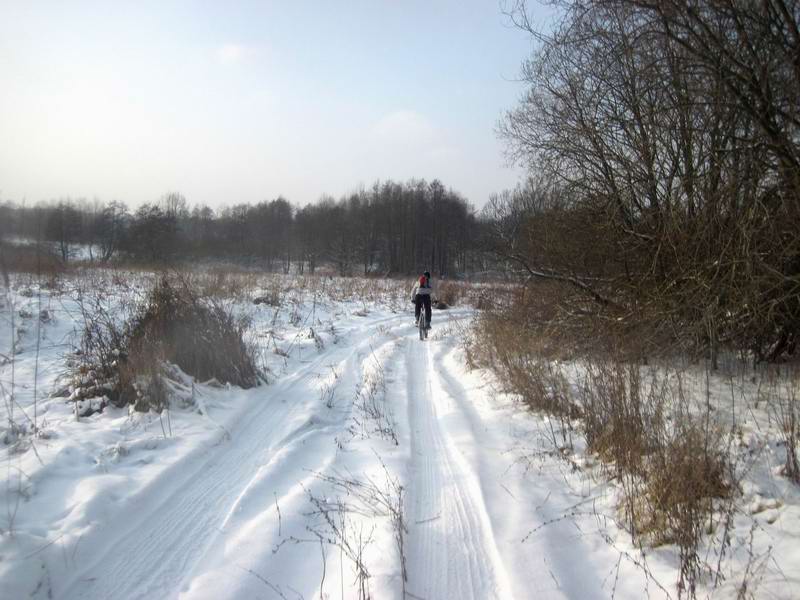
515	354
451	292
197	334
173	325
780	390
670	461
32	259
623	416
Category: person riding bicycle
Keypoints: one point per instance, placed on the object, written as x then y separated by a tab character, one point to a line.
421	295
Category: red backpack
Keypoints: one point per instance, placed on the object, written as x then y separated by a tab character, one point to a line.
423	281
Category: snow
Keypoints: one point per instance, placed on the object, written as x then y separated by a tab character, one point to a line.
365	441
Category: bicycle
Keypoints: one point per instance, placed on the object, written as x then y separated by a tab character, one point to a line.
423	330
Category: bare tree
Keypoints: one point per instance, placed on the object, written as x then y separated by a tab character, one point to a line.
670	129
63	227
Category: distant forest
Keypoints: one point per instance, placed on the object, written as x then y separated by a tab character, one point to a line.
388	228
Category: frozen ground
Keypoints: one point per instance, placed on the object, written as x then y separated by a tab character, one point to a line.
371	463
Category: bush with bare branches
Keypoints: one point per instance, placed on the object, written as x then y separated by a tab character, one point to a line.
124	362
667	156
669	458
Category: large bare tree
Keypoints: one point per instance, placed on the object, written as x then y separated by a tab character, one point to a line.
671	131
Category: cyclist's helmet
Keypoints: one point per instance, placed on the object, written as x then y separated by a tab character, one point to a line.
427	274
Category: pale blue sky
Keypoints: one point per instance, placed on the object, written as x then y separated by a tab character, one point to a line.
233	102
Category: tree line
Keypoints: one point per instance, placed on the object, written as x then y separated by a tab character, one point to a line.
389	228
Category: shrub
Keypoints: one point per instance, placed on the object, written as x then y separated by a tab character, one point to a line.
668	458
780	389
197	334
622	420
507	344
173	325
450	293
31	259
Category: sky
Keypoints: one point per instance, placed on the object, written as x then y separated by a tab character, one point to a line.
229	102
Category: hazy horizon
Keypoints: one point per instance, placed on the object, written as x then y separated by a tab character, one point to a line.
251	101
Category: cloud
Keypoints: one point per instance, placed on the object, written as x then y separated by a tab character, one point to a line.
228	54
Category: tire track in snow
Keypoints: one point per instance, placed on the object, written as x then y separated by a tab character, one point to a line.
275	500
556	563
452	551
174	521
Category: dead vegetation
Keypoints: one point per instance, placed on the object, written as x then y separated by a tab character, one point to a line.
670	459
33	258
674	454
124	363
373	415
650	236
347	516
781	392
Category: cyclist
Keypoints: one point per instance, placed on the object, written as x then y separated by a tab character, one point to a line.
421	295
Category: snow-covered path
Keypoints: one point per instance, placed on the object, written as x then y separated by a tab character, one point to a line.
178	518
452	548
231	513
181	524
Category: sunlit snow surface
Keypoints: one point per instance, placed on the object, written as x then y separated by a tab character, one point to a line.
220	498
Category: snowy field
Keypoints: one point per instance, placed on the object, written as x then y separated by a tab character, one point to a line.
370	464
